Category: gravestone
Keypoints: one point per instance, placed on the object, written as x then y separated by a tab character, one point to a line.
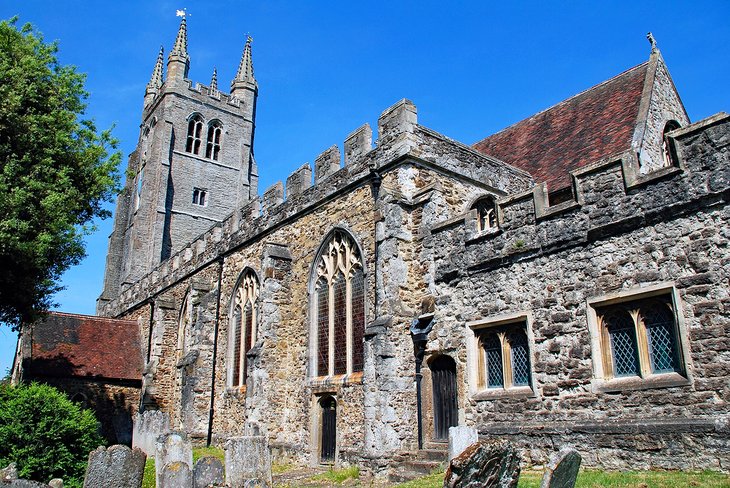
562	470
484	464
176	475
148	426
115	467
248	461
461	437
208	471
172	447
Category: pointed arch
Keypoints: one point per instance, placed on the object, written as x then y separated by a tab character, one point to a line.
195	133
337	294
213	143
243	327
486	208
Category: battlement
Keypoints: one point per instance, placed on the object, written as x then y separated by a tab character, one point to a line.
400	139
610	197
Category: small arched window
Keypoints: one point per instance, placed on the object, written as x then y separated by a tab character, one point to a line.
195	134
486	213
666	152
213	145
339	307
243	325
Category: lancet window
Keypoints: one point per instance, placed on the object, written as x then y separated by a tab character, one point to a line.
195	134
213	145
486	214
243	325
339	307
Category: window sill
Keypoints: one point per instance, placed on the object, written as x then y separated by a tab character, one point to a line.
236	391
661	380
498	393
338	379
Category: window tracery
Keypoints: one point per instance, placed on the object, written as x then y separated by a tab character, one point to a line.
213	145
486	214
195	130
339	308
243	325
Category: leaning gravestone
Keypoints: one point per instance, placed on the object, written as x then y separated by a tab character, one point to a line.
208	471
562	470
115	467
176	475
484	464
171	448
461	437
248	462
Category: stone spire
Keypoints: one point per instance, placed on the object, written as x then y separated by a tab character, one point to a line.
155	80
244	76
181	42
214	80
178	62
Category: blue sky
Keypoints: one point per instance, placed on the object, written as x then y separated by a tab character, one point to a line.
325	68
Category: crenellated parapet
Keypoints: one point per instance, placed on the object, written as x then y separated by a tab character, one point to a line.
401	140
611	197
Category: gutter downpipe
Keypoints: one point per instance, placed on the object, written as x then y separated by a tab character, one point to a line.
215	354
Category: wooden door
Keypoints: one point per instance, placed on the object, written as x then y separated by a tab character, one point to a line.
445	407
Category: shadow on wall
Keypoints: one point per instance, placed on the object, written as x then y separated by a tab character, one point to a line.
106	398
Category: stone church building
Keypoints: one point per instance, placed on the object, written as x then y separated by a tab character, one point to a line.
562	282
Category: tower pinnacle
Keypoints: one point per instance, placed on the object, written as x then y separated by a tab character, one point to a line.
178	62
245	75
155	80
181	42
214	80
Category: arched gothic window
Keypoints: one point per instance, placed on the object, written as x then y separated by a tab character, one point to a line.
213	145
243	325
195	134
486	213
338	307
669	127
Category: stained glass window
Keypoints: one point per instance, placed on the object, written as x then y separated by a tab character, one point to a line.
243	325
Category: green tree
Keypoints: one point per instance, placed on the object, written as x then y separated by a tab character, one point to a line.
45	434
56	171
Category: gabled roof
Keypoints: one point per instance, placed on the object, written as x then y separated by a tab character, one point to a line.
578	131
85	346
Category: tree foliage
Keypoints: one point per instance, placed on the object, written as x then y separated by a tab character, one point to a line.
56	171
45	434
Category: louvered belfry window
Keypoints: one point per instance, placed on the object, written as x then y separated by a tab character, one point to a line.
339	306
639	337
195	135
243	325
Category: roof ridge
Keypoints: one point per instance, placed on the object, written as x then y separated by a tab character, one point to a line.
605	82
71	314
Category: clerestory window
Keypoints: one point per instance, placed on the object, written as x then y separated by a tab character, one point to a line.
243	326
338	307
213	145
195	134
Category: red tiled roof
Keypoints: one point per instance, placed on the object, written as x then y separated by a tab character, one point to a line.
87	346
581	130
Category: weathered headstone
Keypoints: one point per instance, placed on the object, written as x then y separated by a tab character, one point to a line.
171	448
148	426
208	471
56	483
562	470
115	467
461	437
248	461
176	475
484	464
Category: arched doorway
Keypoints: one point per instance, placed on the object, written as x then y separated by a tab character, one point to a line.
328	441
445	407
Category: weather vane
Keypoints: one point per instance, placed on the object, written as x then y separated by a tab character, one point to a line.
182	13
